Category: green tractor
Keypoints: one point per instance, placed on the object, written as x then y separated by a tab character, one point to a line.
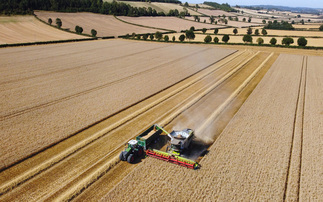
133	151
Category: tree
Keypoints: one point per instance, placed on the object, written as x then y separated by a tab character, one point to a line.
212	19
158	35
249	31
59	22
225	38
138	36
78	29
208	39
192	28
204	30
244	19
273	41
216	40
196	18
190	34
302	41
166	38
247	38
264	21
216	31
235	31
249	20
186	4
321	28
287	41
94	32
264	32
181	37
225	21
173	38
260	41
145	36
257	32
302	21
50	21
151	37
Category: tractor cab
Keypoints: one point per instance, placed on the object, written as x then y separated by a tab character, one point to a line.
132	144
131	152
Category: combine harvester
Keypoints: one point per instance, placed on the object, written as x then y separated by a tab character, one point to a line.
179	141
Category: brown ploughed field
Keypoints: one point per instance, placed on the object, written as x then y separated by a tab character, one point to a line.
26	29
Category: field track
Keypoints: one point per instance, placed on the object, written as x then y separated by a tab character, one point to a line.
83	174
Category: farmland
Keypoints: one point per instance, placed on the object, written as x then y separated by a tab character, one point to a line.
26	29
87	82
67	110
171	23
317	42
105	25
252	157
216	76
159	7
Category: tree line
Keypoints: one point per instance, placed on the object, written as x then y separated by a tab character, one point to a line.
162	1
95	6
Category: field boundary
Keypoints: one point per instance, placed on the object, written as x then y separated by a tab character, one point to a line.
237	44
45	42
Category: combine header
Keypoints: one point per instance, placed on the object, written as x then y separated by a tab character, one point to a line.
179	141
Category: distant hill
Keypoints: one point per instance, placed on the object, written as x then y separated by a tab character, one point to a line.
224	7
285	8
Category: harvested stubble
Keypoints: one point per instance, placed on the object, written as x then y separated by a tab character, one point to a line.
171	23
25	29
215	12
60	174
249	161
85	80
105	25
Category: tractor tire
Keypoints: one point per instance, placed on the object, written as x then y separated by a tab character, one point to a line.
140	151
121	157
131	158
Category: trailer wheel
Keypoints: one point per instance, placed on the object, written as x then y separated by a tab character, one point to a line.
140	151
131	158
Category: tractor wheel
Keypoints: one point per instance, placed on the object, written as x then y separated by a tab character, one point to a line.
131	158
140	151
121	157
